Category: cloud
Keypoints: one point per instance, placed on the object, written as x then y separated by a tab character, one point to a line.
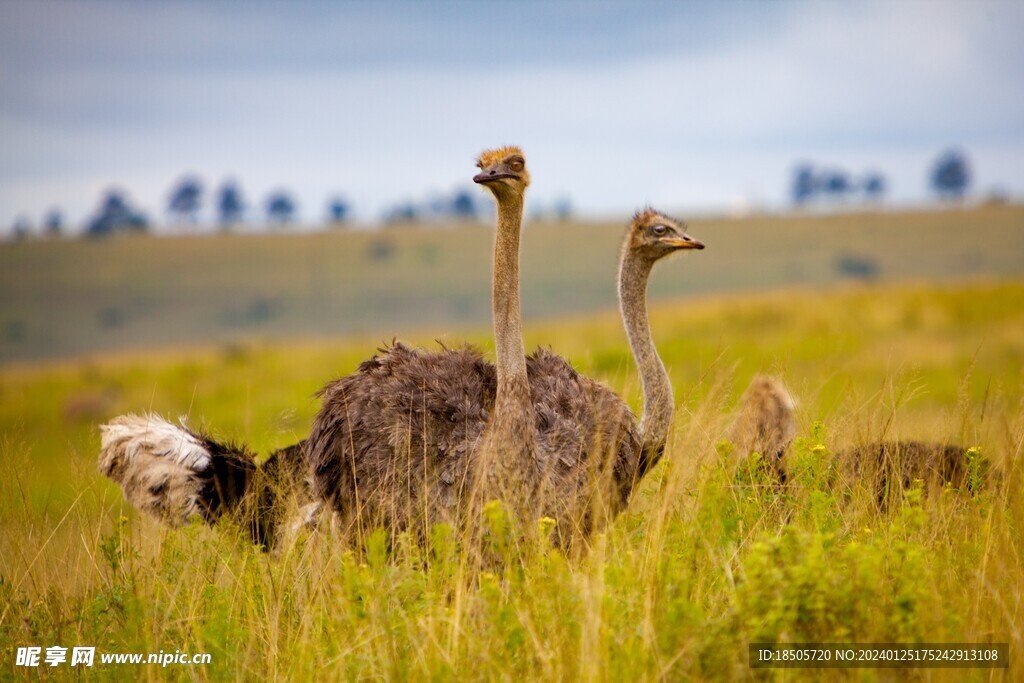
693	106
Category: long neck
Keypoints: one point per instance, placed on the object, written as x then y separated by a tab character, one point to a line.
658	401
509	466
508	328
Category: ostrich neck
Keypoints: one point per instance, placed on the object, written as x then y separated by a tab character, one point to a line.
509	470
658	401
508	329
513	427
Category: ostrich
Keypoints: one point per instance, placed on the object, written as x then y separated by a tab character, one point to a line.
766	424
413	434
394	441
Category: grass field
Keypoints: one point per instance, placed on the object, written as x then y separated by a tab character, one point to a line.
68	298
707	558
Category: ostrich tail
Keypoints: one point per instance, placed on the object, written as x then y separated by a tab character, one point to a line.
766	422
174	474
164	470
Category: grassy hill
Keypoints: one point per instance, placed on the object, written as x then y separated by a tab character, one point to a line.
61	299
707	558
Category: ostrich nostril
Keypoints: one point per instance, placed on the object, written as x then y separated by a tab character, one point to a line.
493	172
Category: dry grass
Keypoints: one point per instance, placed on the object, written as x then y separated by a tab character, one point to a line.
708	557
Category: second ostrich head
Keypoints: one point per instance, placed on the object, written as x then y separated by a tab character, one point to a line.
503	171
653	235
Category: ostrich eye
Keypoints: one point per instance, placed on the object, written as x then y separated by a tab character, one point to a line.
517	165
659	229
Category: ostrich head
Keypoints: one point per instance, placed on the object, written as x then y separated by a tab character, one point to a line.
653	235
503	171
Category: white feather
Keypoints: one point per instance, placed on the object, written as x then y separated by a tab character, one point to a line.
160	467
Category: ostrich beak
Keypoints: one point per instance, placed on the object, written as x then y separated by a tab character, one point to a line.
684	242
491	174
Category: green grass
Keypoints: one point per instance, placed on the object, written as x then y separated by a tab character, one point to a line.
63	299
706	559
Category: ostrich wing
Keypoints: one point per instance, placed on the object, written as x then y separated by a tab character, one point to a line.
394	441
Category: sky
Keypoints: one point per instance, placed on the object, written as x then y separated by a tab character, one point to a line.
692	107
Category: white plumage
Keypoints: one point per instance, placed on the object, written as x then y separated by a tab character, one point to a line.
162	468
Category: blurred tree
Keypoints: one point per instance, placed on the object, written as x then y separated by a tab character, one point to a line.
280	208
185	200
22	229
230	205
405	212
562	209
804	184
116	215
53	224
836	183
463	205
338	211
874	186
951	175
437	206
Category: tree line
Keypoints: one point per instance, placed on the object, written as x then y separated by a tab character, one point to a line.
949	178
186	200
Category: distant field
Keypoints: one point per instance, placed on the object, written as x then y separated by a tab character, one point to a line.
60	299
707	558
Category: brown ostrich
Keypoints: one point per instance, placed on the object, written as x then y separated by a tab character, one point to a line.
766	424
416	436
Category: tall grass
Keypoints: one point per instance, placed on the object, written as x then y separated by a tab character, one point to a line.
710	555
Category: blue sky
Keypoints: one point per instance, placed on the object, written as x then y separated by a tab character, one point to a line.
690	106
